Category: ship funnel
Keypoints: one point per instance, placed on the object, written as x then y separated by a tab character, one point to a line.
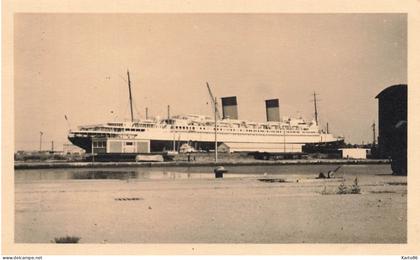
272	110
229	108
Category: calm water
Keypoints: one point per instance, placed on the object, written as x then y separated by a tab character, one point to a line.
177	173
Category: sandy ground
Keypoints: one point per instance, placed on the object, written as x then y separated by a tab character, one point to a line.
233	210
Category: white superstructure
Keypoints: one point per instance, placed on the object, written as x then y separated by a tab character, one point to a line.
200	130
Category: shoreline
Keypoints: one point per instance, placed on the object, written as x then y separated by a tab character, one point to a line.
58	165
240	209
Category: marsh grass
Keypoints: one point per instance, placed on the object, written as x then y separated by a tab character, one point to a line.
344	189
353	189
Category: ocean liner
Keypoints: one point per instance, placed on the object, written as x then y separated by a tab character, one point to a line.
203	133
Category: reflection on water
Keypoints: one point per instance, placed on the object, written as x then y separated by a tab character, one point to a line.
179	173
80	174
95	175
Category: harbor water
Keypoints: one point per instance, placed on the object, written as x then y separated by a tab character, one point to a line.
185	173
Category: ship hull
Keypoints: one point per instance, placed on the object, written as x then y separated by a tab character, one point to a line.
155	145
323	147
200	135
85	142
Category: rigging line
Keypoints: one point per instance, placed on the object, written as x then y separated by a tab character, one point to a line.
125	107
135	108
123	78
137	112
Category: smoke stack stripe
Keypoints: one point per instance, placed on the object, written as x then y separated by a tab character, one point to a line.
229	107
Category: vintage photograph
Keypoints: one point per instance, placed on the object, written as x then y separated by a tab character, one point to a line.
210	128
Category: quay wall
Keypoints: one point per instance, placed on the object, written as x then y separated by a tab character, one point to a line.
51	165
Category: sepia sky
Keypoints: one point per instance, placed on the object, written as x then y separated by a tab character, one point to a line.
75	65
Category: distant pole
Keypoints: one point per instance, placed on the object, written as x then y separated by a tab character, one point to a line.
215	129
316	110
173	144
147	112
374	133
52	146
40	140
169	112
328	131
284	140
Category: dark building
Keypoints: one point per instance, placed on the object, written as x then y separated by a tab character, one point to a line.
272	110
399	152
392	138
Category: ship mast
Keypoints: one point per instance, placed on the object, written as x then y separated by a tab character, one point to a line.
129	92
216	116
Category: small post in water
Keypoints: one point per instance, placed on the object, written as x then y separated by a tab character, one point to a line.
40	140
218	171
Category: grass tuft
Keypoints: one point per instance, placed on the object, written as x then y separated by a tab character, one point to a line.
353	189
